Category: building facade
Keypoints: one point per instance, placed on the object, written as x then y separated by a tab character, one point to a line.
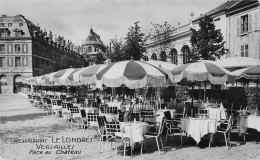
92	47
238	21
26	50
178	50
243	30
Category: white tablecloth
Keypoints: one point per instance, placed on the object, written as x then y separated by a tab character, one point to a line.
217	113
253	122
248	122
198	128
135	131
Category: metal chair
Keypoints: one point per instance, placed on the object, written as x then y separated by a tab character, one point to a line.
55	107
75	116
155	131
135	111
101	129
148	111
66	115
225	128
114	133
91	123
172	125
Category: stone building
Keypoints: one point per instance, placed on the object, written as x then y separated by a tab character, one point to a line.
92	47
26	50
243	30
238	21
179	48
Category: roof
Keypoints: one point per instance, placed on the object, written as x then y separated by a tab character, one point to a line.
223	7
15	20
93	38
243	3
10	19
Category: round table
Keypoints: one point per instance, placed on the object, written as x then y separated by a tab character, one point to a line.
135	131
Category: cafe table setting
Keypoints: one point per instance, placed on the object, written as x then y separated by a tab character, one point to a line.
217	113
198	127
134	130
247	121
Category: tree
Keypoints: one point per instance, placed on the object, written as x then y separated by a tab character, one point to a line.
207	43
117	53
100	59
134	45
162	37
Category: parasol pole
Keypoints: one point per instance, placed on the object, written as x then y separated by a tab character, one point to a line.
192	87
257	106
205	89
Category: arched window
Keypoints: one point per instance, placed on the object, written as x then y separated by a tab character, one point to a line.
186	54
173	55
3	79
89	48
154	56
163	56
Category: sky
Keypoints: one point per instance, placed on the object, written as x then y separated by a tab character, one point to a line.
108	18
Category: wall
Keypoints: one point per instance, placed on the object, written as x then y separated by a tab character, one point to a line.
251	38
9	69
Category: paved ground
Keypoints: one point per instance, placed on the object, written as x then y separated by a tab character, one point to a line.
20	120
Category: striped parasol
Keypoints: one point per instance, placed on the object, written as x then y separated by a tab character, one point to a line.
201	71
64	79
53	78
87	75
248	73
133	74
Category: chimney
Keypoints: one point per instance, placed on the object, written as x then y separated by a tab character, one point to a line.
68	44
45	33
64	42
71	46
56	39
50	36
61	41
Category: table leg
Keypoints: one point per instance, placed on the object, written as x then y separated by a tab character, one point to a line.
211	138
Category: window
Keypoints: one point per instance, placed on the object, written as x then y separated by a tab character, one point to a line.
186	54
17	62
154	56
17	48
10	61
18	34
3	79
3	34
244	50
2	48
9	24
20	24
244	24
89	49
25	61
9	48
2	61
25	48
173	56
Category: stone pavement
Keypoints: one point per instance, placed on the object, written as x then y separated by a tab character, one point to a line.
15	104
